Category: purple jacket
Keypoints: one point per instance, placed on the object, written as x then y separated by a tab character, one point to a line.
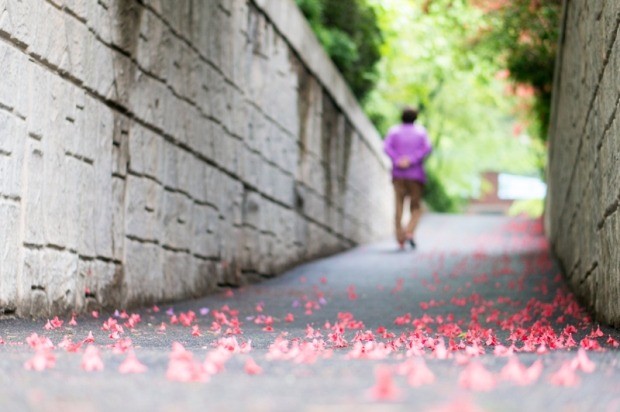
408	140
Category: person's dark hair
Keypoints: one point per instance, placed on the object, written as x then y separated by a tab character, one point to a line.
409	115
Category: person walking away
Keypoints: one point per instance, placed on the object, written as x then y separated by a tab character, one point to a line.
407	145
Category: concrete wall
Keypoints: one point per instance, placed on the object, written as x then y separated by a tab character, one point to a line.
584	164
152	150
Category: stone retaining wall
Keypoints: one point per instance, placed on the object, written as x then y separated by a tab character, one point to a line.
584	164
151	150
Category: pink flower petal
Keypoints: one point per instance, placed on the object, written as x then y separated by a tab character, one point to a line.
183	368
420	374
131	364
477	378
501	350
516	372
89	338
252	368
583	362
39	342
122	345
91	360
43	359
385	389
565	376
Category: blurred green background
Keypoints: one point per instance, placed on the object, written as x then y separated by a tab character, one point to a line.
479	71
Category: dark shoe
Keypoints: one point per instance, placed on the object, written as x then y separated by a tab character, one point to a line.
412	243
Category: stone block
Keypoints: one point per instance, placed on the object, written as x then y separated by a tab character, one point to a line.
84	209
77	35
50	35
266	182
13	15
118	217
198	24
232	202
98	284
171	160
34	276
33	195
59	203
38	93
77	8
266	254
13	75
153	39
99	73
249	255
271	217
76	114
226	149
214	179
169	112
12	146
103	191
144	277
253	210
200	136
99	20
239	108
9	253
61	268
244	167
34	283
256	126
108	287
143	209
147	101
120	145
204	228
176	15
287	224
147	151
606	303
125	21
178	275
284	187
195	171
177	209
206	277
184	171
197	84
179	63
217	90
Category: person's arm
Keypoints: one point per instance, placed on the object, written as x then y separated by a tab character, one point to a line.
388	147
422	151
398	159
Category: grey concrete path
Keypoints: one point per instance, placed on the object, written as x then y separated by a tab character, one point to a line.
371	329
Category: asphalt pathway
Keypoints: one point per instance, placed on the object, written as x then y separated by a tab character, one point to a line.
477	318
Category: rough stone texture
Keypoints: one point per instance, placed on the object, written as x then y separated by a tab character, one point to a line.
584	173
152	150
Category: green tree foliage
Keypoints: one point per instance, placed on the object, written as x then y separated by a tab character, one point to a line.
349	32
523	37
447	57
432	59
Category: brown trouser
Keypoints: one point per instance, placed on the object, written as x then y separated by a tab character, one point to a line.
403	189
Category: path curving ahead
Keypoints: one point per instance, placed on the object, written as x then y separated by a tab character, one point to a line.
477	318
